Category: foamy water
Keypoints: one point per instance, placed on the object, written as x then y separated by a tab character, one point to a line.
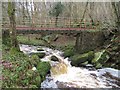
64	75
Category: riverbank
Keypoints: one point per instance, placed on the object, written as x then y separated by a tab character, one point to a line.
17	63
23	70
19	69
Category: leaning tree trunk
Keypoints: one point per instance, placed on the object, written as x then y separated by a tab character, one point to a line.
11	13
84	11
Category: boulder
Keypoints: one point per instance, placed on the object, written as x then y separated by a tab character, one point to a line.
78	59
40	49
54	58
43	68
40	55
89	40
84	63
68	53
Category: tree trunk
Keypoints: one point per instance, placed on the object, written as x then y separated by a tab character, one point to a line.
11	13
84	12
77	42
23	13
56	19
91	12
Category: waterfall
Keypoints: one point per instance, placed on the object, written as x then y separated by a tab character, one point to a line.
63	75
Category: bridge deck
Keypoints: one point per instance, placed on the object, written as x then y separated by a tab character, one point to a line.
36	30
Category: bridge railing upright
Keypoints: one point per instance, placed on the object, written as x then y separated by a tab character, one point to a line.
50	22
64	22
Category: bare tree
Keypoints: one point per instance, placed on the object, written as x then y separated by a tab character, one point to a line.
11	13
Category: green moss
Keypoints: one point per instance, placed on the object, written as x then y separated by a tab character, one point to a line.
43	68
24	40
68	51
77	59
40	55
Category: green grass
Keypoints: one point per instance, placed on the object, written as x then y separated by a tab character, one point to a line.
23	39
32	41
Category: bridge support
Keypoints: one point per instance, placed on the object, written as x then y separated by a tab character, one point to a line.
86	41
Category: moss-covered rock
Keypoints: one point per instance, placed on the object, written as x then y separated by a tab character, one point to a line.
40	55
43	68
78	59
40	49
84	63
68	53
54	58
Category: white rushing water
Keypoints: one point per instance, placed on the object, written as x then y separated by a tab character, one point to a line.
63	75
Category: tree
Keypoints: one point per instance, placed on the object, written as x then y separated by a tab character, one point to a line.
84	12
116	7
11	14
56	11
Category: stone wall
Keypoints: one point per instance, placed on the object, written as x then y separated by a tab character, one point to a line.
86	41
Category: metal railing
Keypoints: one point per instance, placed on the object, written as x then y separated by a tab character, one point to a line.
50	22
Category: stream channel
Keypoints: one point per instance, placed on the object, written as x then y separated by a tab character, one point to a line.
64	75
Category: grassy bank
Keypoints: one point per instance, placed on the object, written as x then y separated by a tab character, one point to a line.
18	69
47	40
25	39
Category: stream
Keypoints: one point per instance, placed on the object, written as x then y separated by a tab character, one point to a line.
63	75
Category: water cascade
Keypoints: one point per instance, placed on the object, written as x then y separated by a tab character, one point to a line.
63	75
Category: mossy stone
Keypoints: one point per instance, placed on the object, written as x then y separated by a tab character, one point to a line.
54	58
84	64
68	53
77	59
40	55
43	68
40	49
